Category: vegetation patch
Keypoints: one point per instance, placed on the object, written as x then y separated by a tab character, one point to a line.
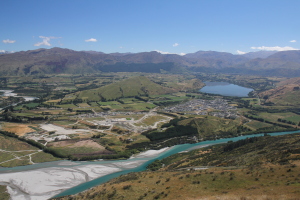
15	152
3	193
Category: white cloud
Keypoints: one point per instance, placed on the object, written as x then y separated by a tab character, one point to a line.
46	40
164	52
277	48
175	45
293	41
3	51
8	41
240	52
91	40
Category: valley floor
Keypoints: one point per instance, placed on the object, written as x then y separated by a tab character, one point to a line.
46	182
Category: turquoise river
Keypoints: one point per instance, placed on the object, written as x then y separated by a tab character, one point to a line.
171	151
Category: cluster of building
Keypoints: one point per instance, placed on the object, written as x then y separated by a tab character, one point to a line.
217	107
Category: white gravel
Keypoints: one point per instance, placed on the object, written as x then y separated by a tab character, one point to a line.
44	183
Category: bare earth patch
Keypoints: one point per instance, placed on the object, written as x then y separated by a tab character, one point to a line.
82	143
19	129
60	130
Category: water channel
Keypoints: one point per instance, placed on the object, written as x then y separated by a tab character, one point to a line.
8	93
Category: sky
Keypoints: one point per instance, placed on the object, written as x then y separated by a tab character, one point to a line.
166	26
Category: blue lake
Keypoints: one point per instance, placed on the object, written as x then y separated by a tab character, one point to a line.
225	89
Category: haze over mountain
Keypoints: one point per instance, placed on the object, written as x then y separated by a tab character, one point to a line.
58	60
259	54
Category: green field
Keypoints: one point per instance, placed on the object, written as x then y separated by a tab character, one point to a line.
286	116
3	193
66	106
253	125
75	150
16	153
109	103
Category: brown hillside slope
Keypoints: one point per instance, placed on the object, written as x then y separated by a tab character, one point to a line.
266	168
287	93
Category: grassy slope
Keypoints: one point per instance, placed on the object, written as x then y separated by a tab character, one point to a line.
287	93
276	150
3	193
135	86
207	126
265	169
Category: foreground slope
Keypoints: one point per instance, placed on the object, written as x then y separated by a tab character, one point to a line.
273	173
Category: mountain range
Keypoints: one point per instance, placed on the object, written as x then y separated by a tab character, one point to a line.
59	60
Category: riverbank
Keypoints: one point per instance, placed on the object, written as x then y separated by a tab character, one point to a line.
44	183
53	180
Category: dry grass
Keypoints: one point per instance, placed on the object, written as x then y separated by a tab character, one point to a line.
18	129
75	143
265	183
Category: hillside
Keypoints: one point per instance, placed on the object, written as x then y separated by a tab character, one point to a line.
58	60
191	129
135	86
286	93
256	151
43	61
213	59
284	63
255	168
211	126
259	54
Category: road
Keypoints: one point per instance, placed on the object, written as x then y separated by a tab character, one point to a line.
20	157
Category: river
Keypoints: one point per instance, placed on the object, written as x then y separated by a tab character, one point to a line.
9	93
60	178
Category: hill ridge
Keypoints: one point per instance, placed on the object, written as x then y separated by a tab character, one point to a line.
58	60
134	86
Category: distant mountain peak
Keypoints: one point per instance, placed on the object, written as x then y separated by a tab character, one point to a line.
259	54
61	60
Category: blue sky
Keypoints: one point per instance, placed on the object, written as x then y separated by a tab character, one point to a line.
173	26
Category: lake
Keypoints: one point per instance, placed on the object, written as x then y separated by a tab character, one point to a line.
9	93
225	89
